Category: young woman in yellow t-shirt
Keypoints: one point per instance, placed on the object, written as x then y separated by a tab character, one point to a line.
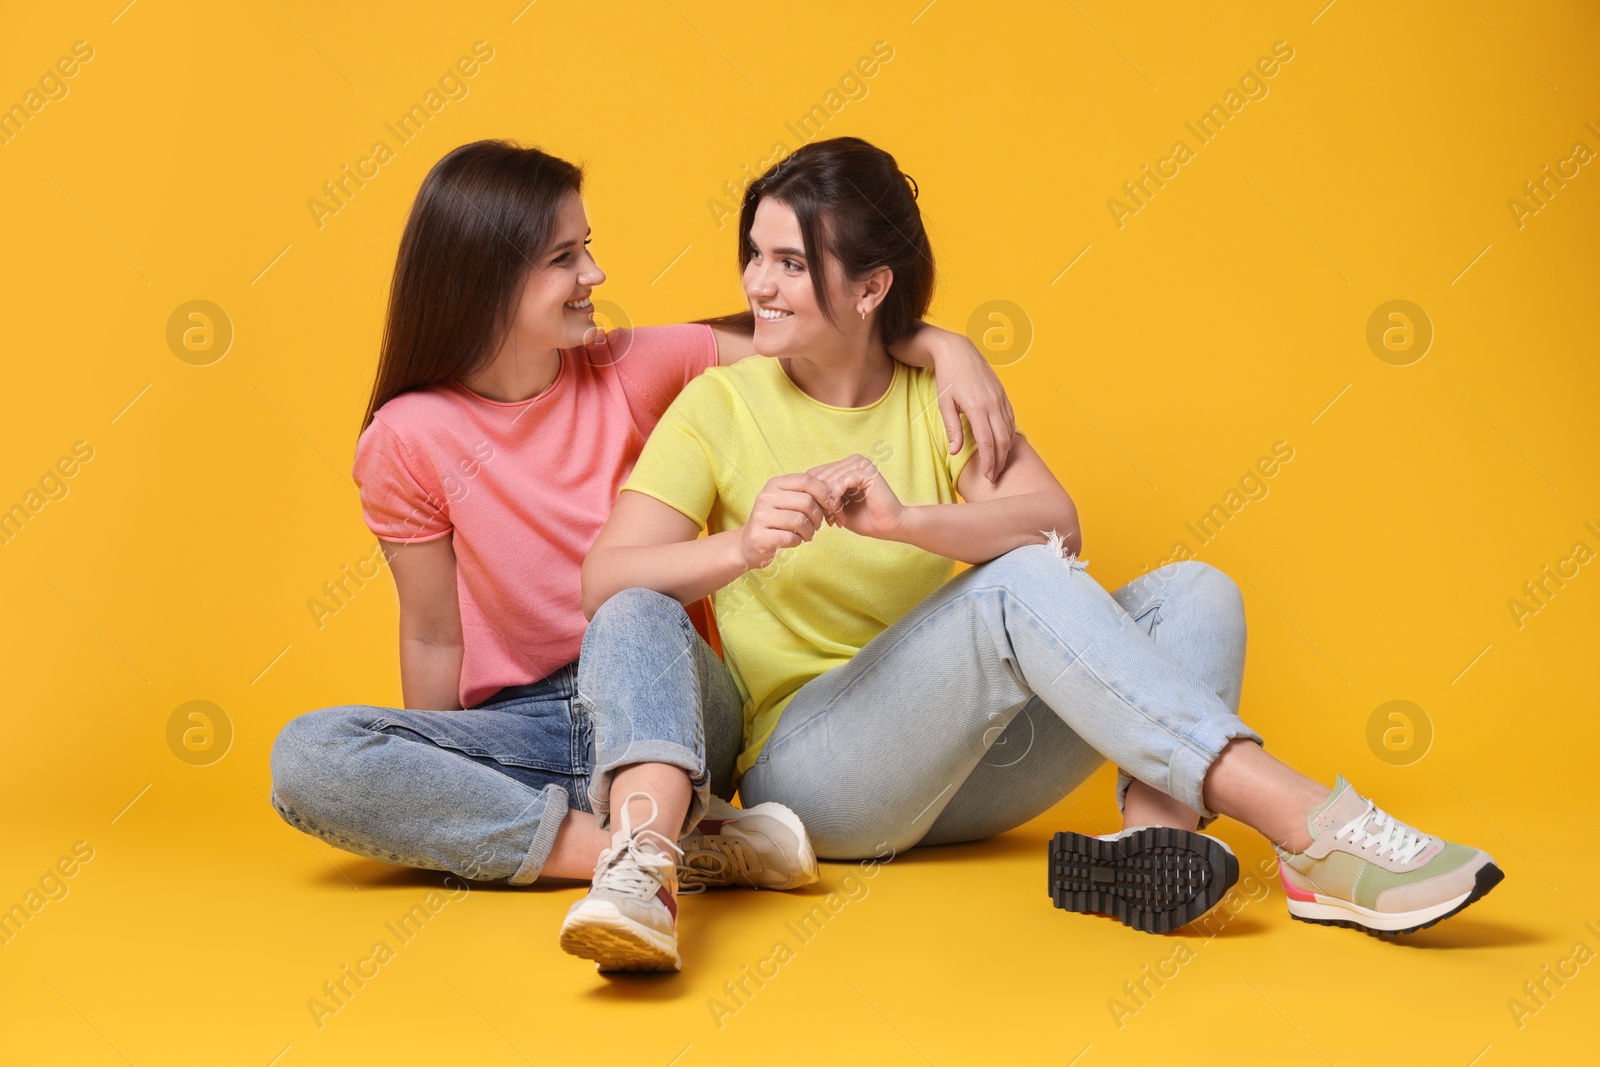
890	704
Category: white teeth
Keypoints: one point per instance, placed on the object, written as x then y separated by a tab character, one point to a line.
769	314
579	305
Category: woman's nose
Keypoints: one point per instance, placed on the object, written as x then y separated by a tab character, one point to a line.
757	283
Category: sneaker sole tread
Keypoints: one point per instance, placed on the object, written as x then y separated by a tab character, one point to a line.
1154	880
616	943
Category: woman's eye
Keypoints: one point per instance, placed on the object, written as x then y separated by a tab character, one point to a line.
790	264
562	258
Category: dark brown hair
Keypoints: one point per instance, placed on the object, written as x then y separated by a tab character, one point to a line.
482	218
852	199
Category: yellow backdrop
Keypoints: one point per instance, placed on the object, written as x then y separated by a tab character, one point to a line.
1304	291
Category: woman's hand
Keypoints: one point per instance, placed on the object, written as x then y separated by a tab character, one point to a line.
787	512
866	504
966	384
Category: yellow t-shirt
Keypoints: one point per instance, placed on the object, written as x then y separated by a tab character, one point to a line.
727	434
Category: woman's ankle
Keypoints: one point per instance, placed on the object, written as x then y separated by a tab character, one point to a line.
1297	834
1266	794
1146	806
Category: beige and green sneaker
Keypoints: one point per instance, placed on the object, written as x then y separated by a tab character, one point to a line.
1366	870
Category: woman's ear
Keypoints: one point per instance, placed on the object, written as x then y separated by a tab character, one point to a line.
871	290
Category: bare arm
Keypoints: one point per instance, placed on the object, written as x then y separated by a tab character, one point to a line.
967	384
994	518
650	545
430	623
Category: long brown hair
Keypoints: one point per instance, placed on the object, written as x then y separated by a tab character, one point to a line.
482	218
850	197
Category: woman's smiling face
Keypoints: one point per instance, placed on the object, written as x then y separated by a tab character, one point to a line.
555	308
778	280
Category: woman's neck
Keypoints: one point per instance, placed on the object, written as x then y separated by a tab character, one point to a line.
519	371
844	377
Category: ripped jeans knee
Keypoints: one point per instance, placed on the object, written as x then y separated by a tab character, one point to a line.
1057	544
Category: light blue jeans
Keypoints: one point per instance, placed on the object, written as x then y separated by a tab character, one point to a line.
482	792
998	695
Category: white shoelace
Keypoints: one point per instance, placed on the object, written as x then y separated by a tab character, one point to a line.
628	868
1402	841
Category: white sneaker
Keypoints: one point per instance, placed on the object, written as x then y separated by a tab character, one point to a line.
764	847
629	919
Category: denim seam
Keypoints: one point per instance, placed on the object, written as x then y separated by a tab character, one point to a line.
577	710
582	715
338	840
508	759
1155	624
689	632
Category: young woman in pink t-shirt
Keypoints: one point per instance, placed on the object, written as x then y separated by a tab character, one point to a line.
501	426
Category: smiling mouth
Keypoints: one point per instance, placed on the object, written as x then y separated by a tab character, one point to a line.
579	305
772	314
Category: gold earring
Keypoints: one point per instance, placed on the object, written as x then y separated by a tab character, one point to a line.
863	314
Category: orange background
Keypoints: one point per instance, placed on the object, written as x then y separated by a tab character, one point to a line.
1167	356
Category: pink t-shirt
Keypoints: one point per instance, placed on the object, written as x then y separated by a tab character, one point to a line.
523	488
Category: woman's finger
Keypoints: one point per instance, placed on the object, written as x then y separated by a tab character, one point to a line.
952	421
1003	436
807	482
984	441
794	522
794	500
842	476
1011	430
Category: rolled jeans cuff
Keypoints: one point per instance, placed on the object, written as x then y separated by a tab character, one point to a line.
1186	770
544	838
653	751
